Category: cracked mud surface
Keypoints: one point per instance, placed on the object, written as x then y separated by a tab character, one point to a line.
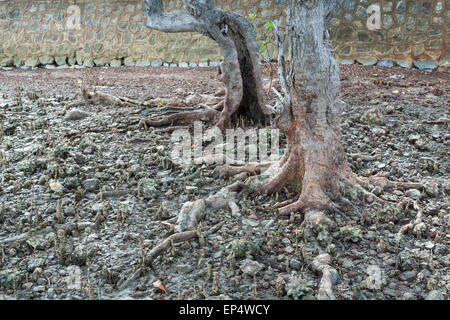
98	193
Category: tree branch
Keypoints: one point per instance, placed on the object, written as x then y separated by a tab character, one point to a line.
175	21
282	65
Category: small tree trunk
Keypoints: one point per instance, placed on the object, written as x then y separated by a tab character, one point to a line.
311	121
236	37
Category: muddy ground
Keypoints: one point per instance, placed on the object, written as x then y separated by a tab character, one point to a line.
82	202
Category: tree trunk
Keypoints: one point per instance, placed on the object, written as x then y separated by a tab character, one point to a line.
311	118
236	37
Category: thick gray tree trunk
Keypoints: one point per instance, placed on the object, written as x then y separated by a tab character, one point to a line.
310	109
236	37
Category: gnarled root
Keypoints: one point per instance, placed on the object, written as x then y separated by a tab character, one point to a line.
97	97
416	224
252	169
321	265
166	244
181	117
193	212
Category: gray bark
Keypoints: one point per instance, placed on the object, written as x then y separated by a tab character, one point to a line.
311	108
236	38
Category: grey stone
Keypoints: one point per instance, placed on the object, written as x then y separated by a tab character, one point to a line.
11	277
426	65
414	194
6	62
46	60
367	61
241	248
100	62
75	115
251	268
61	60
32	62
148	188
72	61
91	184
435	295
346	61
116	63
89	63
17	61
386	63
298	287
35	263
143	63
129	62
156	63
56	187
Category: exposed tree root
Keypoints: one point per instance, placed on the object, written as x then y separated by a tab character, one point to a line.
166	244
236	37
178	118
416	225
97	97
321	265
252	169
382	181
193	212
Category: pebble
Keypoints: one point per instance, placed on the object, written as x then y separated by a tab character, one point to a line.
435	295
91	184
75	115
414	194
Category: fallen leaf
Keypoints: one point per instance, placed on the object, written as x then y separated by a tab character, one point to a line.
159	285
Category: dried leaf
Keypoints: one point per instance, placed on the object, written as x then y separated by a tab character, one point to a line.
159	285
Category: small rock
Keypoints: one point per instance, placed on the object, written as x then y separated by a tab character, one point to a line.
372	116
406	276
250	222
56	187
184	268
298	287
413	194
129	62
386	63
346	61
75	115
115	63
435	295
367	61
426	65
404	64
390	109
250	267
39	289
241	248
91	184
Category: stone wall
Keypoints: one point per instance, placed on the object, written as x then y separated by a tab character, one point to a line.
108	32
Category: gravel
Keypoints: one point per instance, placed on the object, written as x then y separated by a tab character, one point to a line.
85	195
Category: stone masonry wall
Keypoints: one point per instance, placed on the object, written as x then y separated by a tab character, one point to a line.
108	32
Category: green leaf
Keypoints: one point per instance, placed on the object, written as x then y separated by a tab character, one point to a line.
269	25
